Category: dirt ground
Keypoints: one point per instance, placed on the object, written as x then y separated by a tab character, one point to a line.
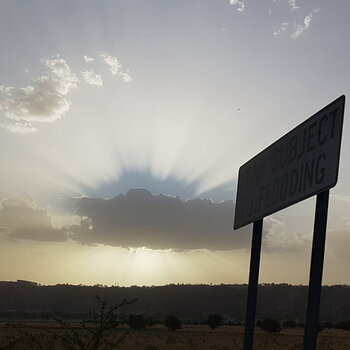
187	338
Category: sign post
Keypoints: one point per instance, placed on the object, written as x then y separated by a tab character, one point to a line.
253	285
302	163
316	268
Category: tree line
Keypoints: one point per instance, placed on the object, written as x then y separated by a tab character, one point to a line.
189	302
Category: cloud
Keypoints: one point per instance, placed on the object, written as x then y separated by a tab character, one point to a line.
44	101
88	59
20	128
284	26
277	239
238	4
115	66
112	62
293	5
20	218
92	78
125	76
140	219
300	28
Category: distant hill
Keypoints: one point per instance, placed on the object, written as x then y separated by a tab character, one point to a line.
190	302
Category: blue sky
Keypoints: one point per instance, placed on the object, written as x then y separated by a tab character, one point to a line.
97	97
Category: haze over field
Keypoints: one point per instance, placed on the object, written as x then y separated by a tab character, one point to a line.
123	125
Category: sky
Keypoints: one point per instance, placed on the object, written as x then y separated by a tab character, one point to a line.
123	125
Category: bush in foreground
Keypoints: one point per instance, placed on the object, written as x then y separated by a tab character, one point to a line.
214	321
345	325
290	324
99	332
270	325
173	323
136	321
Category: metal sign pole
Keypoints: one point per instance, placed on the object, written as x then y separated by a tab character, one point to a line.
316	268
253	285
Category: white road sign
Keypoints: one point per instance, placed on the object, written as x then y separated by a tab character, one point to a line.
301	164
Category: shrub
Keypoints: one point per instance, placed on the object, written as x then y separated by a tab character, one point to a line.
173	323
136	321
94	334
326	325
214	321
150	321
271	325
290	324
345	325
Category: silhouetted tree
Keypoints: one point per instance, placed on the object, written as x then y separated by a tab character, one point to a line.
173	323
214	321
271	325
325	325
259	323
345	325
150	321
136	321
289	324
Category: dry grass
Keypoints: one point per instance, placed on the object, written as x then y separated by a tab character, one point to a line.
193	338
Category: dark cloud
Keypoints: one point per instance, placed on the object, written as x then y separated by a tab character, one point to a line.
139	219
21	219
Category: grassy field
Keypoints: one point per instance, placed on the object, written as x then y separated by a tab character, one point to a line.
187	338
